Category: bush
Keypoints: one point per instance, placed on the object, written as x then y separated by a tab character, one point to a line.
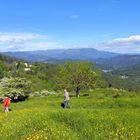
17	88
43	93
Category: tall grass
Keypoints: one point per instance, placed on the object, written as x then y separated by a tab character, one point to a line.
94	117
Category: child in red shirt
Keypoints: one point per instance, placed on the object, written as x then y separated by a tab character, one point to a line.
6	103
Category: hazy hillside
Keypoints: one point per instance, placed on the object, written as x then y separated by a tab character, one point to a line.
6	59
118	61
87	54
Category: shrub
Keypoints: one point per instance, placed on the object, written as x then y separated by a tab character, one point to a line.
17	88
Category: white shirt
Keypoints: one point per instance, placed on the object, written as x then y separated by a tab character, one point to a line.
66	96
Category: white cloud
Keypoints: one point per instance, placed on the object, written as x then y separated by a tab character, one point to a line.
24	42
32	41
129	44
132	40
17	37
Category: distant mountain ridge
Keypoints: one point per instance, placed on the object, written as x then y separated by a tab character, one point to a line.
87	54
103	60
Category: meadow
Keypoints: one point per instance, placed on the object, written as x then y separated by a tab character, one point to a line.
100	114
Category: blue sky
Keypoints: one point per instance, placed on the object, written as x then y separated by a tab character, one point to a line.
109	25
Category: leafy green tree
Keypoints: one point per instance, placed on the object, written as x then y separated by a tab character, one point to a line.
3	69
76	75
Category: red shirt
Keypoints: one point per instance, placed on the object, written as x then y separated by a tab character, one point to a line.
7	101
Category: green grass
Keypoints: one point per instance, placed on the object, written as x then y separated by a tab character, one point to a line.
98	116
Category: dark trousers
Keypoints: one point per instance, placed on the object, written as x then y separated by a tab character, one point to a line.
66	104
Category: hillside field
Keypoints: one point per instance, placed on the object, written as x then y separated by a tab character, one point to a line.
101	114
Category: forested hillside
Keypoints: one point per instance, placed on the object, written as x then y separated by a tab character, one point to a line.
45	77
131	73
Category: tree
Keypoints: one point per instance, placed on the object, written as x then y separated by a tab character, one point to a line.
76	75
3	69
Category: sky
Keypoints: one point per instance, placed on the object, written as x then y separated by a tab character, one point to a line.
107	25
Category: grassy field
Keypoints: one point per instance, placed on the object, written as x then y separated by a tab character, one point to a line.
102	114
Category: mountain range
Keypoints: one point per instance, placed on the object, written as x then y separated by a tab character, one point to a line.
103	60
87	54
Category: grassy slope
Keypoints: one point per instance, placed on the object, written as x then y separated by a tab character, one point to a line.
97	116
